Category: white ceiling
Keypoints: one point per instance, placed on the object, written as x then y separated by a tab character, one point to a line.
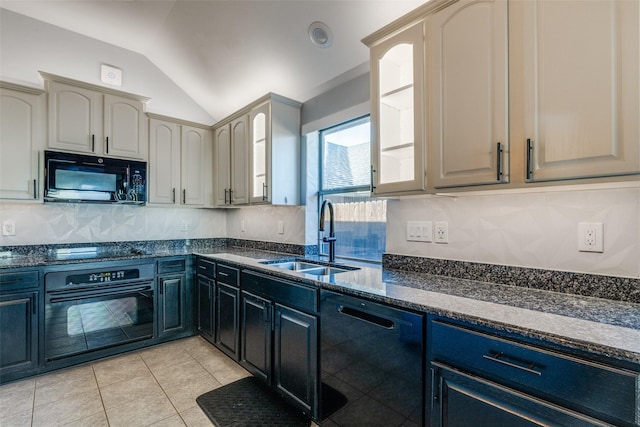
227	53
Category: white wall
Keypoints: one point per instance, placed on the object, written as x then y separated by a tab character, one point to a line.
28	46
537	230
261	223
86	223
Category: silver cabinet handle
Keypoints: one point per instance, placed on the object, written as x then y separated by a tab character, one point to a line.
496	357
499	154
529	159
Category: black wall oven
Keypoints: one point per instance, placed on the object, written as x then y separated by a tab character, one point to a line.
97	308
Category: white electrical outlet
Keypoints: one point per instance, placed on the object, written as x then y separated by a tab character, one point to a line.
9	227
442	232
590	237
242	226
184	226
280	227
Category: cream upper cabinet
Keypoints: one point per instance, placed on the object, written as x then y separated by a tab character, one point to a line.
581	93
397	112
260	122
239	190
164	162
231	158
124	127
467	45
195	170
75	116
222	164
275	152
180	159
83	119
257	154
21	138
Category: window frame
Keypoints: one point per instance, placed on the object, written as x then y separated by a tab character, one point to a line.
323	194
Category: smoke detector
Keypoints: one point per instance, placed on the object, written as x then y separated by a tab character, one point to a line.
320	34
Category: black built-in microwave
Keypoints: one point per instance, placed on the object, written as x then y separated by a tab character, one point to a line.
70	177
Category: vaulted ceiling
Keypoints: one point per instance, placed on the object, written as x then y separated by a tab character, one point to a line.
227	53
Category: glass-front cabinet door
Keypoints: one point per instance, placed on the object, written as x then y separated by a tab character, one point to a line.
397	116
260	135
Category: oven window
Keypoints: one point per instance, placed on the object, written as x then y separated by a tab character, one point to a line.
78	325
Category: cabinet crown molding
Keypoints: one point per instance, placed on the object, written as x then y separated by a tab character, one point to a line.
20	88
90	86
268	97
178	121
418	14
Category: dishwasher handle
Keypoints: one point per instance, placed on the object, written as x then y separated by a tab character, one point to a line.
366	317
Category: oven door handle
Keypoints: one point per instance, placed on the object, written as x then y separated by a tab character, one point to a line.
81	296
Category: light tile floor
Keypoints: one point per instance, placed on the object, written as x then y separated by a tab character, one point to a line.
150	387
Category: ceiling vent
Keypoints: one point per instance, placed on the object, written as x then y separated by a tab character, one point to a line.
320	34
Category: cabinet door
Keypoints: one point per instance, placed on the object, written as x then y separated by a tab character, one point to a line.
206	307
397	114
20	140
260	151
296	357
581	67
75	118
239	162
467	62
172	307
462	400
255	336
124	128
227	319
222	162
192	165
18	332
164	162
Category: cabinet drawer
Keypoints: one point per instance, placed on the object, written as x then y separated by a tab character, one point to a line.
206	268
592	388
18	280
174	265
291	294
228	275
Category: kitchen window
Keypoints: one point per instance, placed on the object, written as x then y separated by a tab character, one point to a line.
345	179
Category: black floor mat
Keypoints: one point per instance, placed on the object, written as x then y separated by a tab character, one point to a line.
249	402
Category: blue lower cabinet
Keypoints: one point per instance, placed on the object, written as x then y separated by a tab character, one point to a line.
483	377
19	317
227	321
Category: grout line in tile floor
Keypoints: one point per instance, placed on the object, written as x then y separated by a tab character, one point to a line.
153	386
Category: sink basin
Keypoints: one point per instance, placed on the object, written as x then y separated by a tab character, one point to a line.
324	271
309	268
294	265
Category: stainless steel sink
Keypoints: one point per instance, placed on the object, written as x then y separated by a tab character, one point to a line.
294	265
310	268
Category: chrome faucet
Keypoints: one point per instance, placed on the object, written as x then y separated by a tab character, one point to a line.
332	232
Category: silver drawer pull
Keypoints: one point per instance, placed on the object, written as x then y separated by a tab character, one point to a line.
495	357
223	274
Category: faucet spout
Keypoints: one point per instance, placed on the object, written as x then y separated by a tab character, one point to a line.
332	233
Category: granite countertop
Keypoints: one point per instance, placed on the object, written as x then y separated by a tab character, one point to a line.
605	327
601	326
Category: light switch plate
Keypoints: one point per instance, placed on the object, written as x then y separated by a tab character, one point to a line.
419	231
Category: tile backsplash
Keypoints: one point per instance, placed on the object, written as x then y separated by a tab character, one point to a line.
536	229
79	223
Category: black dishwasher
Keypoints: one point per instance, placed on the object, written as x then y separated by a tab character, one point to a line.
371	361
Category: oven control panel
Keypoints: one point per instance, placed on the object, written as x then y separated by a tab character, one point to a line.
102	276
99	275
